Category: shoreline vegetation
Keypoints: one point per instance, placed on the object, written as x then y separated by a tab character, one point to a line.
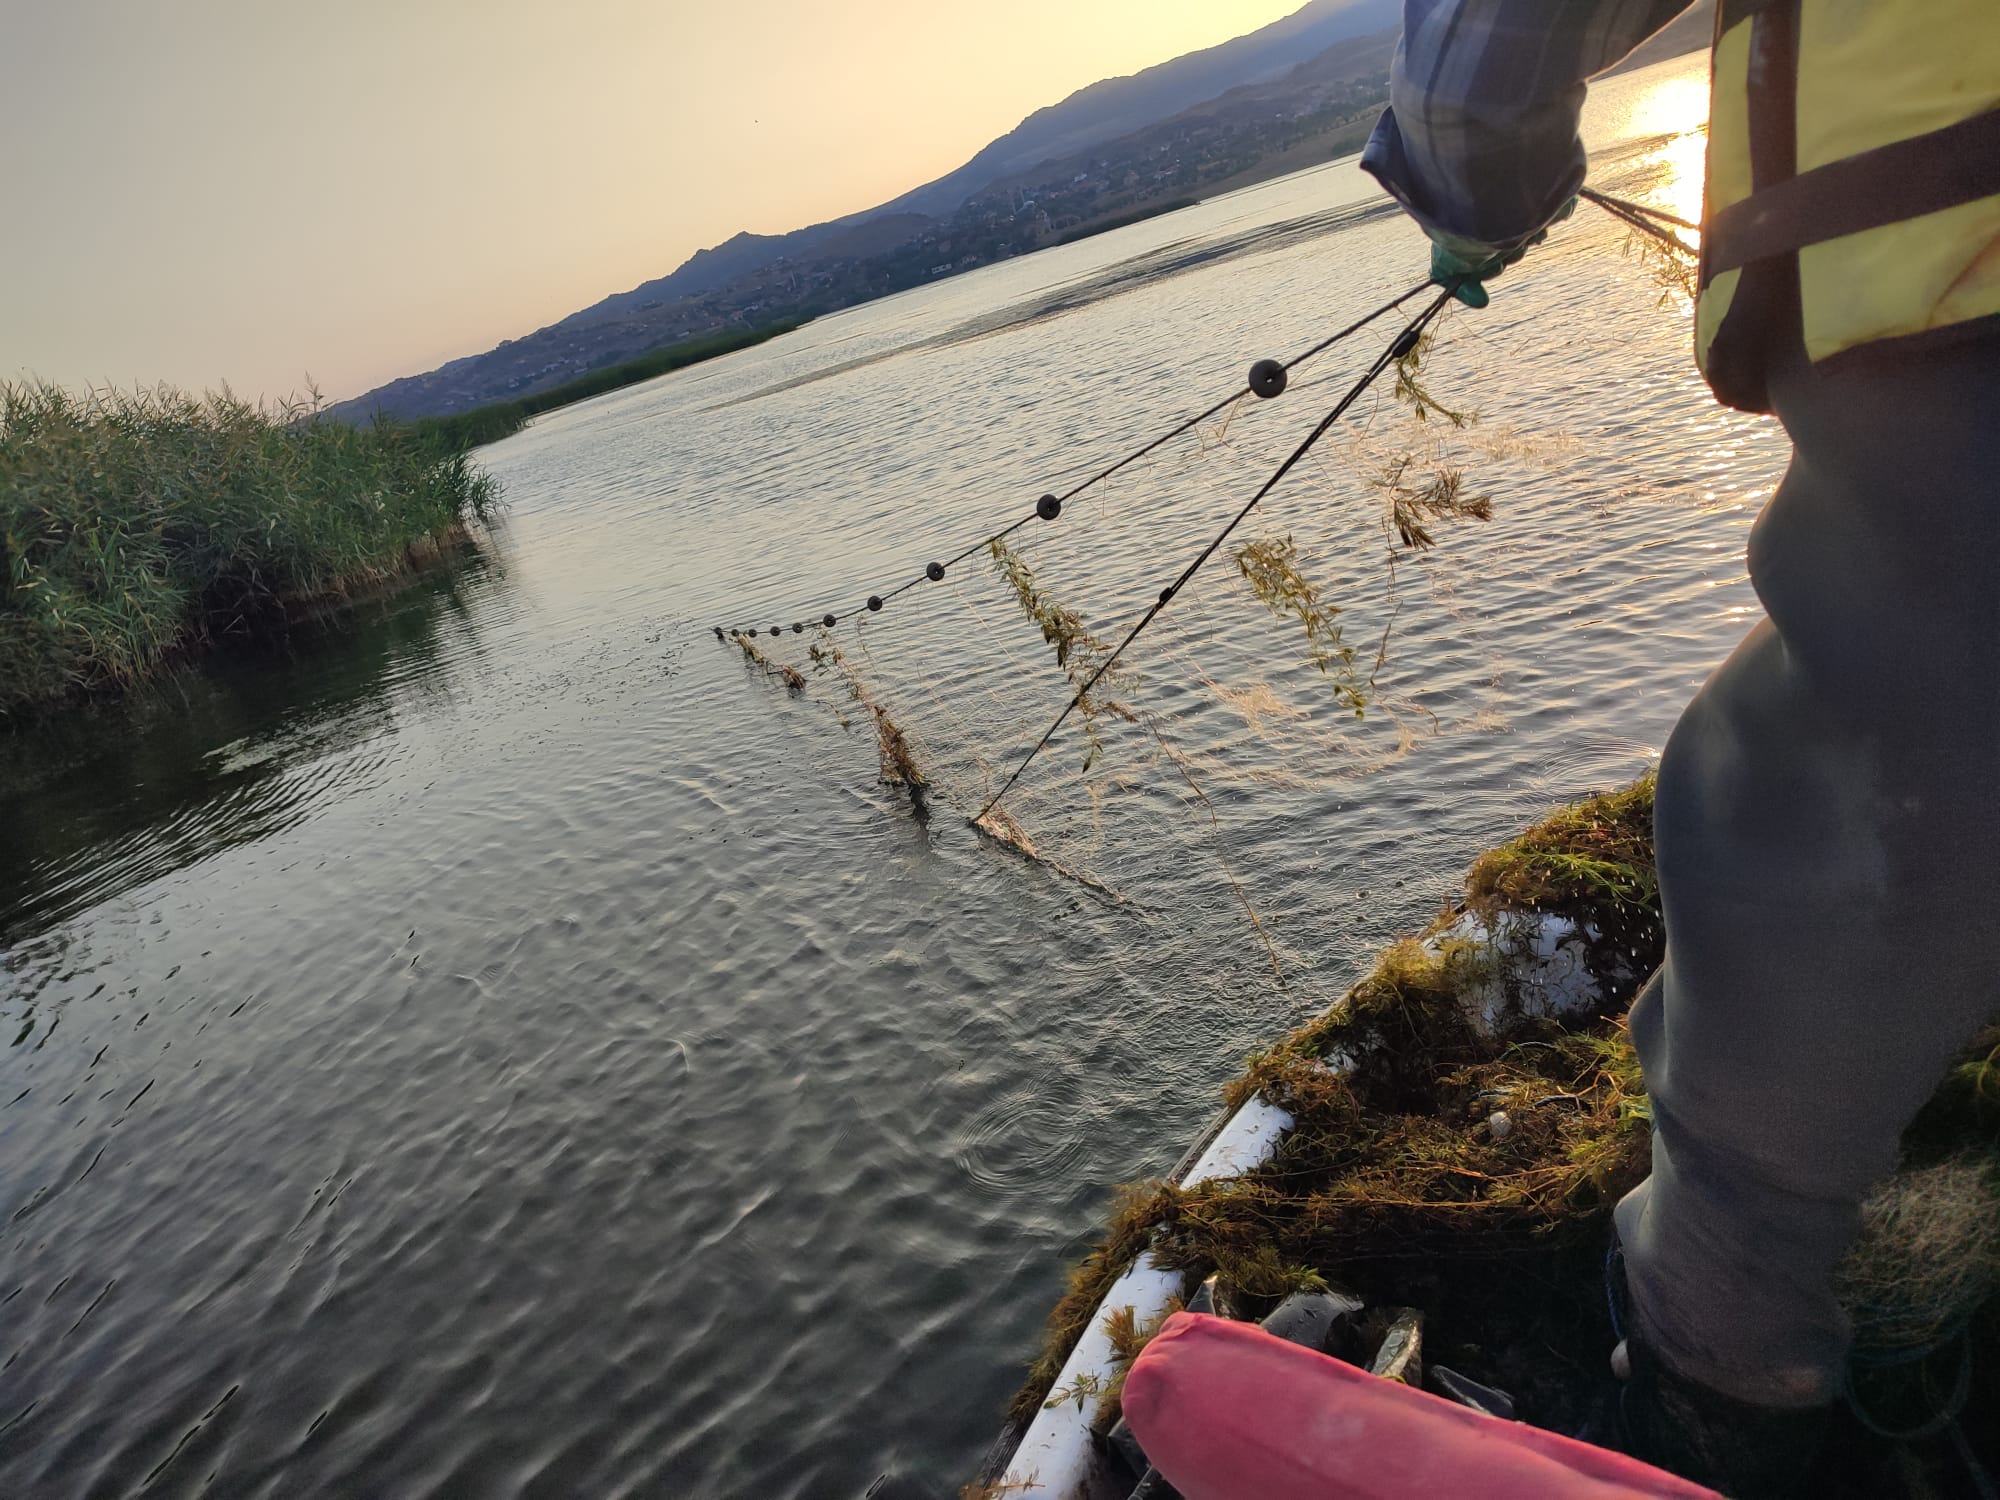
140	528
495	420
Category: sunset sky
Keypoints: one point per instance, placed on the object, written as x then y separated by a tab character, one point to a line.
258	191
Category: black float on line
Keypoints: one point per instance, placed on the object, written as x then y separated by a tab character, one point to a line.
1403	344
1267	379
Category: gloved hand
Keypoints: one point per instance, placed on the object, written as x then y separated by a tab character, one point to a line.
1466	265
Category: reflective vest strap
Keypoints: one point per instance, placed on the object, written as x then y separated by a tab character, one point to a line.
1903	180
1734	313
1772	78
1729	12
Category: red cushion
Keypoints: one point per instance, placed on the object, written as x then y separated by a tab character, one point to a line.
1228	1412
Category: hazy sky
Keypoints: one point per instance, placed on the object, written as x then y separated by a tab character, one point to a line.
258	190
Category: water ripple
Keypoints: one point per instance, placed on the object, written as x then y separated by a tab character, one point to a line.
507	1048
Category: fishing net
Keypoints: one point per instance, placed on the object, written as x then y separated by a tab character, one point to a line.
1301	658
1161	727
1925	1263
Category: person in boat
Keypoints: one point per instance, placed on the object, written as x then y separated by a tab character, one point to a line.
1828	806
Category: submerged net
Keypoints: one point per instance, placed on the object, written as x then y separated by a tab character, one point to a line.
1273	669
1334	634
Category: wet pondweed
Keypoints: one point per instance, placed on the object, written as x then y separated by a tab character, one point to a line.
1085	659
1412	384
1271	568
1435	1159
1413	509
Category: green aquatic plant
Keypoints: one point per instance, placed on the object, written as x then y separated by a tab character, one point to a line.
793	679
899	765
997	1489
1928	1255
827	658
1134	1213
1128	1338
1394	1159
1271	568
138	527
1061	627
1079	653
1413	392
1395	1175
1673	265
899	762
1966	1107
1592	862
1085	1387
1413	509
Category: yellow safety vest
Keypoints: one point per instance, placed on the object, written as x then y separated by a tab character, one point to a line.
1862	137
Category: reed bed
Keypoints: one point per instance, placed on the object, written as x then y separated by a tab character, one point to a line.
138	527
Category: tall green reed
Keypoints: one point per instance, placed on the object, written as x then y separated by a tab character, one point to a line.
137	526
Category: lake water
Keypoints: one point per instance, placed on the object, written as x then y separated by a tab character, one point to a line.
509	1046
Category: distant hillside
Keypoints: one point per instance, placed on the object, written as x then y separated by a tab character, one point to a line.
1298	91
1692	30
1101	112
1320	81
742	254
1117	106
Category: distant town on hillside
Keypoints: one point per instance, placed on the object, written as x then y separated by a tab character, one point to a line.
1118	151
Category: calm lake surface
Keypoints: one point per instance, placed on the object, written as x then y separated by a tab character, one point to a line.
510	1046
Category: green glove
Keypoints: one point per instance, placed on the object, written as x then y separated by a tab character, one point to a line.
1466	265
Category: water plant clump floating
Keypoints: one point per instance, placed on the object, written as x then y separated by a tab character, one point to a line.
791	676
899	763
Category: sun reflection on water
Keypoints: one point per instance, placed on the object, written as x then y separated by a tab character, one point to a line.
1675	109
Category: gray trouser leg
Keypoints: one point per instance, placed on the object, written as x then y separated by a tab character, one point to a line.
1828	824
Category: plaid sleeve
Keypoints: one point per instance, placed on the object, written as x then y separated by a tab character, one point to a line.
1479	140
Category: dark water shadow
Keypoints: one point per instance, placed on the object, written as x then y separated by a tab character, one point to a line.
98	798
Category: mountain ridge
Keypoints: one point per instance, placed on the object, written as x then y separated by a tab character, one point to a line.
1096	113
1056	175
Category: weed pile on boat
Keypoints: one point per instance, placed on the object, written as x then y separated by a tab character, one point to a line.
1440	1161
1422	1141
137	526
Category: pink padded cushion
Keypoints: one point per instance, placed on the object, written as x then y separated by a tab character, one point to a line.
1227	1412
